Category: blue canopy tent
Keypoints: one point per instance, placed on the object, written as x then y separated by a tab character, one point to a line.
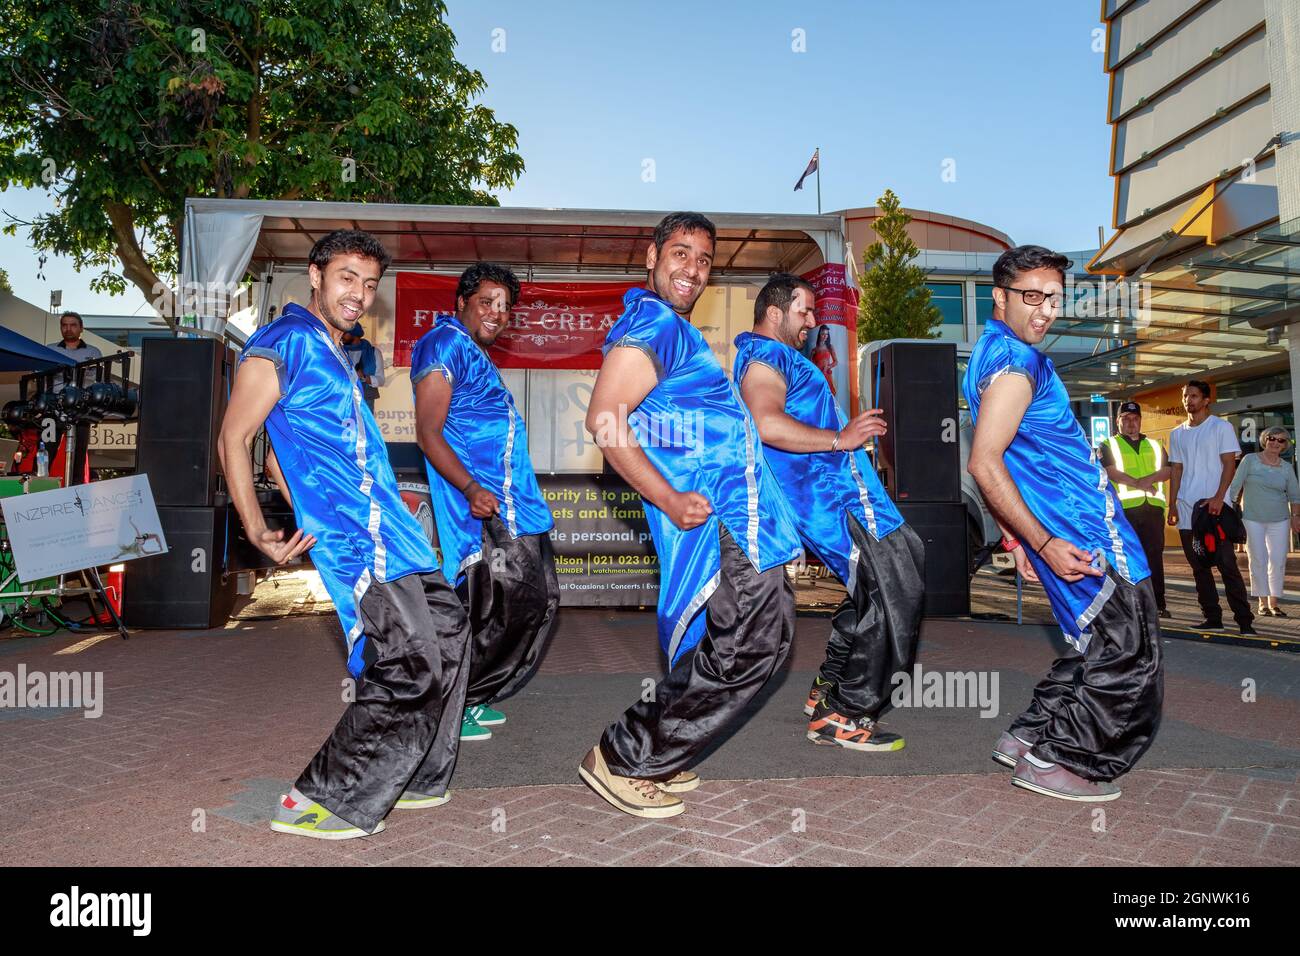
20	354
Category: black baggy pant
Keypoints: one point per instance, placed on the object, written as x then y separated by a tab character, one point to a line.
875	629
749	626
512	596
403	729
1148	522
1096	713
1225	559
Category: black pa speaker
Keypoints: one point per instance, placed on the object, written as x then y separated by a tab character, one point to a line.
184	388
942	526
183	589
920	456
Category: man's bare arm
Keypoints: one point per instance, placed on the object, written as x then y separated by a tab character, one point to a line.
1002	408
764	391
1175	480
626	377
256	390
432	400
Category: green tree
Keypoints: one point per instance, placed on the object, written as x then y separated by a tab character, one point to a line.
4	282
123	108
895	304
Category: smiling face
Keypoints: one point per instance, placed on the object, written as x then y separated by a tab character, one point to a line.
1030	323
793	327
680	272
485	312
344	290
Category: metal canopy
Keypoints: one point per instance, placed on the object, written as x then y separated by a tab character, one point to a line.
595	241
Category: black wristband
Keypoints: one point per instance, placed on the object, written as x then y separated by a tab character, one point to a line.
1050	539
468	485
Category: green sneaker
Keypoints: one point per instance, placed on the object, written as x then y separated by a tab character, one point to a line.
414	800
485	716
471	729
313	820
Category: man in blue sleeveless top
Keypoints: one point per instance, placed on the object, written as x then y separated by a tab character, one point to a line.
407	638
493	524
843	516
1097	710
670	422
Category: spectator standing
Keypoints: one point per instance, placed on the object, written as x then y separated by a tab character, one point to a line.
1202	455
1270	511
1139	467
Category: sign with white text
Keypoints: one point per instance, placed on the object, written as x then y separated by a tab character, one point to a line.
85	526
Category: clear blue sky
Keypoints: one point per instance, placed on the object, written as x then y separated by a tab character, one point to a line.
1011	91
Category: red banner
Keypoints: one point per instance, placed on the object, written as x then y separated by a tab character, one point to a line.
837	300
553	325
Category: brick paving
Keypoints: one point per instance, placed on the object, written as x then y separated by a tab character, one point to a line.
202	730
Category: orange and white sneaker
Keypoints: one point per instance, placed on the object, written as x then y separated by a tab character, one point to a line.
816	693
855	733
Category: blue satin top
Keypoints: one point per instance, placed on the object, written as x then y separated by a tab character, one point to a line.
487	433
694	428
1060	480
823	488
334	461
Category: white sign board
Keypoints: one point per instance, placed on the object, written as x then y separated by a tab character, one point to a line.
85	526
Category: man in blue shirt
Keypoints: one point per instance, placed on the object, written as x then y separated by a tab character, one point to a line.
493	524
670	422
1097	710
406	635
843	516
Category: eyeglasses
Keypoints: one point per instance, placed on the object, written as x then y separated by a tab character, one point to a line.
1275	438
1036	296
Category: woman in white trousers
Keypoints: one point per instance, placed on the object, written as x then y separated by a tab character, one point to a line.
1270	512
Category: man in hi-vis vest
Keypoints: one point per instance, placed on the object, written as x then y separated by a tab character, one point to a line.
1139	467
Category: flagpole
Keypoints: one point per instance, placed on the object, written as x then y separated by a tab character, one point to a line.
819	180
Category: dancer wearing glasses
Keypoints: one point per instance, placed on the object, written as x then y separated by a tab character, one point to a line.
1097	710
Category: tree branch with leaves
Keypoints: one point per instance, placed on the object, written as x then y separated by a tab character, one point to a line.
122	109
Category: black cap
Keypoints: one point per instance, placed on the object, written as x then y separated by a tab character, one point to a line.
1133	407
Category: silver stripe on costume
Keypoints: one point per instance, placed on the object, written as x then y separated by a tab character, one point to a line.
505	487
863	497
358	592
1116	543
474	557
852	582
375	518
1084	621
751	486
683	622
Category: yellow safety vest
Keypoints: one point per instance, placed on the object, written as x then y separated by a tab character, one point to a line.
1138	464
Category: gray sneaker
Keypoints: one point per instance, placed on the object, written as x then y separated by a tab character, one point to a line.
414	800
1056	781
312	820
1009	749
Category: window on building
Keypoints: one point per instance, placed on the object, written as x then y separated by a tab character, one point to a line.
949	298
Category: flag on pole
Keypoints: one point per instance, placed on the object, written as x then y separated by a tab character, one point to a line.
812	168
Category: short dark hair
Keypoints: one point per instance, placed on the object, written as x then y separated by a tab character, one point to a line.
343	242
1012	263
779	291
76	315
686	222
1202	387
481	272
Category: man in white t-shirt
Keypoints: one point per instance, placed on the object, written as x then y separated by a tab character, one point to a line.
1203	455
